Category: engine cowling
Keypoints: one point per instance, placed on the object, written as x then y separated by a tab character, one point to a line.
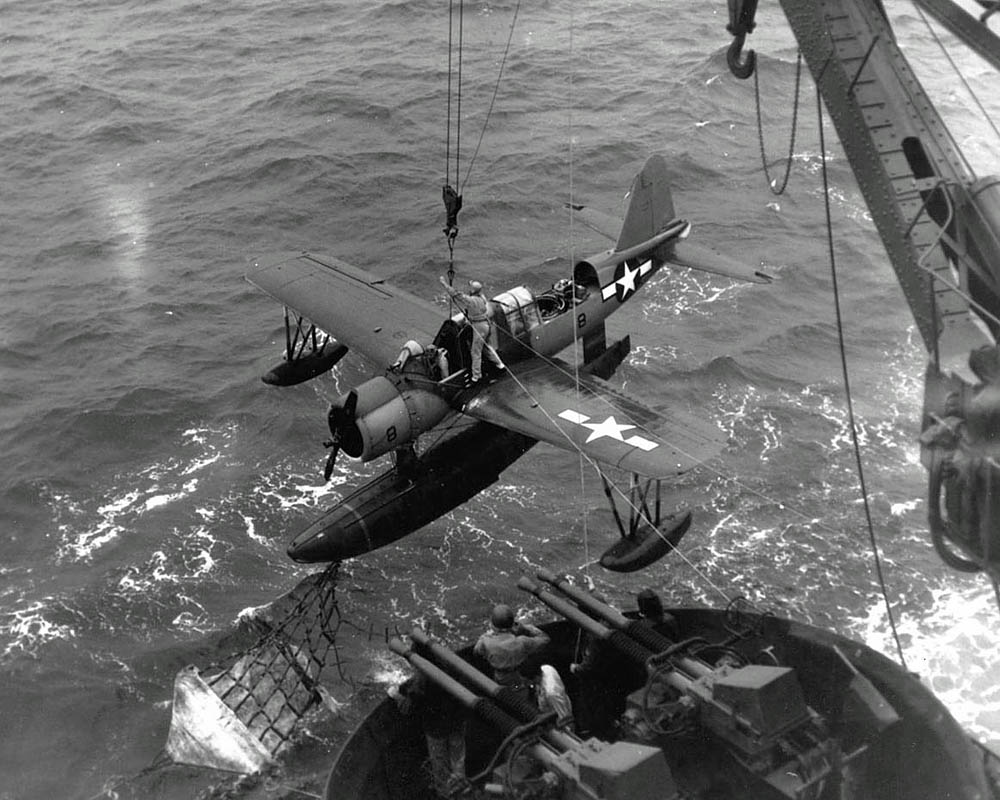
385	417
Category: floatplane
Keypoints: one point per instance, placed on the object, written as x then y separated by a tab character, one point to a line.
539	398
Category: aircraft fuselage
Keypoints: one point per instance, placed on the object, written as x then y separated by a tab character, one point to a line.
601	284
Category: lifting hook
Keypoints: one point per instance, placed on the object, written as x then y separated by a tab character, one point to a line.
742	70
741	22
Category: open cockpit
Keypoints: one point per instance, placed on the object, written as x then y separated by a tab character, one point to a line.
517	314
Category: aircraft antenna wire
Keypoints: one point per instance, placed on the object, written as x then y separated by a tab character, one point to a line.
847	386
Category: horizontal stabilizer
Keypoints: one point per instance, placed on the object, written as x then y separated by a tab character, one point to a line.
697	256
604	224
691	255
669	236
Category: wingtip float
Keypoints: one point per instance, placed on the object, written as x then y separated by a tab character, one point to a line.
300	369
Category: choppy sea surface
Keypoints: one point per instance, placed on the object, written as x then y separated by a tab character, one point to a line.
151	152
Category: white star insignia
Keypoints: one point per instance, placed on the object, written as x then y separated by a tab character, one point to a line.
627	281
609	428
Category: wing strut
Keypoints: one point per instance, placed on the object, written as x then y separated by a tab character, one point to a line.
648	535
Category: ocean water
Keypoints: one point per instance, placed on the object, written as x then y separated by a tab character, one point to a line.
152	152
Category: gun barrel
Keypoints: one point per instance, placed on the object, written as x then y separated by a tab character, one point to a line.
455	663
568	610
480	682
438	676
644	636
544	752
585	600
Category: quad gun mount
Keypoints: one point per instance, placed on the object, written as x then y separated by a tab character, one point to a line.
756	712
747	721
563	764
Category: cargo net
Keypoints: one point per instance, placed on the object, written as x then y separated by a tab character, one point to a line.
243	716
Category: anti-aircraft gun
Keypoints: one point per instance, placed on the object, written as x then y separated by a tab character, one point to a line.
543	761
697	718
749	717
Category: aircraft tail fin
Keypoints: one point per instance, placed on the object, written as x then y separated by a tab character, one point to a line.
650	204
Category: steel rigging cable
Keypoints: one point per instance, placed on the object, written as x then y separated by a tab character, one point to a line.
847	385
451	195
840	327
452	199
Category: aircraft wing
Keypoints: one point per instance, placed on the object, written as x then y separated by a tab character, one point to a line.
542	400
352	305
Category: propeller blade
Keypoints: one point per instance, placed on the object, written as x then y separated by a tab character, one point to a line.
331	460
340	418
351	405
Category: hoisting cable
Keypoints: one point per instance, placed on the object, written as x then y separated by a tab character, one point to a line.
771	182
847	386
452	199
451	196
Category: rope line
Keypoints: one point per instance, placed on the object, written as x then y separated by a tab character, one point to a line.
847	387
493	99
447	138
572	261
458	101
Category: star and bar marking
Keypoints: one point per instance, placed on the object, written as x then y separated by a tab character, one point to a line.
627	280
610	428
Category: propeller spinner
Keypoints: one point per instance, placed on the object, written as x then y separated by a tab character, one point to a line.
341	419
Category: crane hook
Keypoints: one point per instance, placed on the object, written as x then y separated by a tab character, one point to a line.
744	69
741	22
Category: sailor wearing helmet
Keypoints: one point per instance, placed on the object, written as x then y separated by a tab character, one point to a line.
477	311
508	644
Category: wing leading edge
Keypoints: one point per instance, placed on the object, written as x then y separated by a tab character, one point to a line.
592	418
370	317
